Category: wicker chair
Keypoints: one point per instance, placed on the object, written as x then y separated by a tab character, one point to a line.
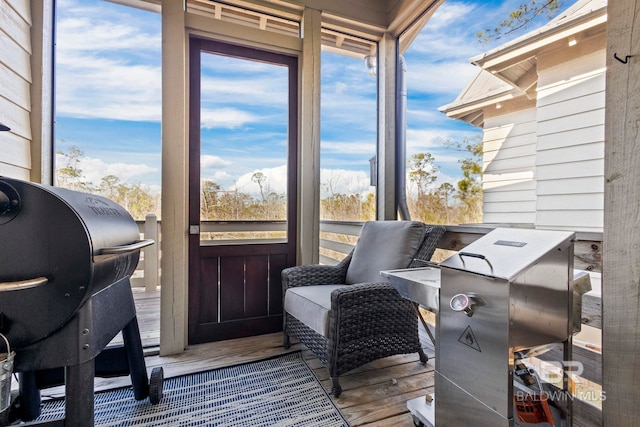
345	314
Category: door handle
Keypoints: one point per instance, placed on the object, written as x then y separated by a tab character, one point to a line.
194	229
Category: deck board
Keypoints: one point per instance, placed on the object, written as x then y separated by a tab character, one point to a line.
373	395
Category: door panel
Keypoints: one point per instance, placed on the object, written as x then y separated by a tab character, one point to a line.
242	234
208	311
257	276
231	288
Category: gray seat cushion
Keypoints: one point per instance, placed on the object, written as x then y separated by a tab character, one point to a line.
384	245
311	305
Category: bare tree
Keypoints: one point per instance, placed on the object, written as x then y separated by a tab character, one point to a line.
259	178
70	175
521	18
423	172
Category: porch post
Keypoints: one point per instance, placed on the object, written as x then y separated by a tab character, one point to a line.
387	70
309	146
174	262
42	91
151	253
620	283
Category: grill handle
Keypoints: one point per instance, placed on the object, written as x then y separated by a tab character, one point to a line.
474	255
137	245
23	284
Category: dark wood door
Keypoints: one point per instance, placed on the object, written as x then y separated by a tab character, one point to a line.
242	215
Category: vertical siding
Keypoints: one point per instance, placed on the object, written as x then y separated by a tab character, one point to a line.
570	157
15	81
509	168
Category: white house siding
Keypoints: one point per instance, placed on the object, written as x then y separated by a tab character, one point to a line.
570	158
509	168
15	81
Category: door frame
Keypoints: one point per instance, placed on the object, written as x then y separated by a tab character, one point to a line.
198	44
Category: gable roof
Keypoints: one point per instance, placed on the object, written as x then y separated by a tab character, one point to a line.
484	89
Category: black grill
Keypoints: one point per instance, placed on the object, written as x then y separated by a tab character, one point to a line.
66	258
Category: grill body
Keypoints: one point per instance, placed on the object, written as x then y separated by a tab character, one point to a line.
65	262
518	286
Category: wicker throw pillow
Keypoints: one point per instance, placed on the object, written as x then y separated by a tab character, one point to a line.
384	245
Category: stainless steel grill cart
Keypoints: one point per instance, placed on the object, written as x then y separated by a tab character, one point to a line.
506	292
503	297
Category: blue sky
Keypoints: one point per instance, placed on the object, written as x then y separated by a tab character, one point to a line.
108	99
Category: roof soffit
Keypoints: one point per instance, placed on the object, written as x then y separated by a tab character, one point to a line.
368	18
393	16
150	5
484	90
409	15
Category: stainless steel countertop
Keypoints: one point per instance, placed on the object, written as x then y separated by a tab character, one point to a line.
421	285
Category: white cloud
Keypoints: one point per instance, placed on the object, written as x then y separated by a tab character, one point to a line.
430	137
85	33
350	147
260	89
441	178
229	118
440	77
449	14
333	181
276	181
343	181
420	140
449	35
98	87
107	63
93	170
340	87
418	116
221	176
209	161
424	139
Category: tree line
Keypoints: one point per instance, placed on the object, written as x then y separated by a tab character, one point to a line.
427	201
137	199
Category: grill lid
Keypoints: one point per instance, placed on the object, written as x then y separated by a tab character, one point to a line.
57	248
506	252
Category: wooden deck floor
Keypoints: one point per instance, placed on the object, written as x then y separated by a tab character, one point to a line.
374	395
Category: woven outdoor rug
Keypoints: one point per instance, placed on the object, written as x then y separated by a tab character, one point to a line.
281	391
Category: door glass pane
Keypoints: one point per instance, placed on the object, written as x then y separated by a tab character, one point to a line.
244	147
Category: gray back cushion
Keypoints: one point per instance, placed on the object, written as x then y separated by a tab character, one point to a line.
383	245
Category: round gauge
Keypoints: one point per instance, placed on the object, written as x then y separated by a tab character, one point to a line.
459	302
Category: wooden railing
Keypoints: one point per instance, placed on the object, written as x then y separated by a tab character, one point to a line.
587	249
147	274
338	238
